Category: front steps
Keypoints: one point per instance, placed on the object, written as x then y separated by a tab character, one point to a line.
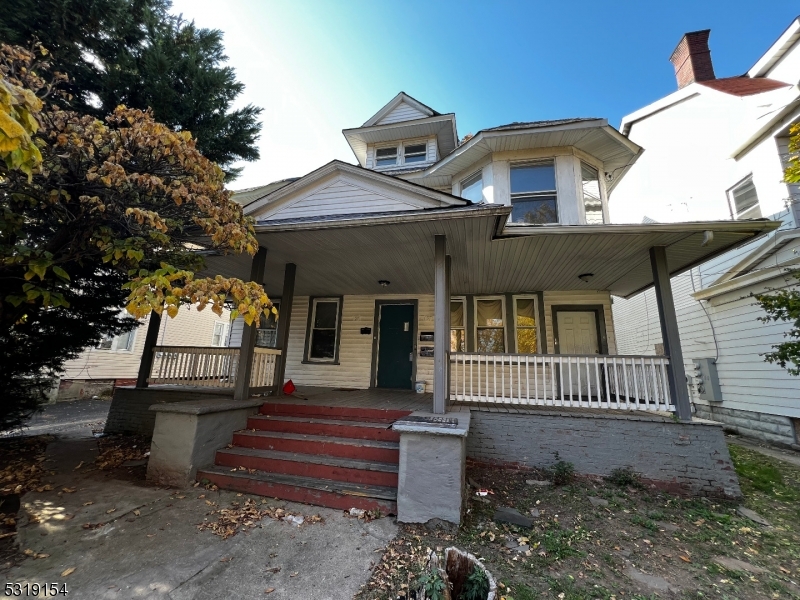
338	457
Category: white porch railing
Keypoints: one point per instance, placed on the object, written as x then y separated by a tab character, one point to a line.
589	381
208	366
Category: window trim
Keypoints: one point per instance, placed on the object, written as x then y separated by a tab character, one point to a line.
534	195
463	300
310	321
600	189
276	302
503	312
732	203
114	347
537	317
400	149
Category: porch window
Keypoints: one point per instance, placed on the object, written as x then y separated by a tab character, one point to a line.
472	188
592	202
386	157
490	332
458	341
220	338
324	329
525	314
533	193
268	332
744	200
415	153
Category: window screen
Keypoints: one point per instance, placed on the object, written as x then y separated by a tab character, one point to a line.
415	153
385	157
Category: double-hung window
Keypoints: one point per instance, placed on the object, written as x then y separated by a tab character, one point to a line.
219	337
525	316
472	188
744	200
415	153
533	193
490	332
386	157
123	341
592	202
323	331
458	341
268	332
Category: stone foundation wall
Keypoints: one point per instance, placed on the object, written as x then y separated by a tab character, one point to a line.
130	407
774	429
686	457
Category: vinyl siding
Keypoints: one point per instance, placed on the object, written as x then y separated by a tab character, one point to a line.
402	112
747	382
189	328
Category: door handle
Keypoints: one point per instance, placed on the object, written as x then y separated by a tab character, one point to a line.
411	357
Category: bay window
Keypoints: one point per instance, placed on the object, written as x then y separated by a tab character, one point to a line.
533	193
472	188
592	202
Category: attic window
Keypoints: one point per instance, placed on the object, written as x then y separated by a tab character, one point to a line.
415	153
386	157
744	200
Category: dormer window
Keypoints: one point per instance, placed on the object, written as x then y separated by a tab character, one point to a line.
533	193
386	157
415	153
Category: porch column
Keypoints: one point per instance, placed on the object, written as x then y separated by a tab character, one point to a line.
441	319
150	340
284	320
249	335
669	332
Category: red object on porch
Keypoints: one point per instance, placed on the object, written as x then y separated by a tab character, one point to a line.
289	388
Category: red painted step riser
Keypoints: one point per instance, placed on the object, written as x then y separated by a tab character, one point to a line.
299	494
332	412
386	455
303	469
345	431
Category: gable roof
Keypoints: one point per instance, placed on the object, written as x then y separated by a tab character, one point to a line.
744	85
538	124
426	196
401	98
777	51
249	195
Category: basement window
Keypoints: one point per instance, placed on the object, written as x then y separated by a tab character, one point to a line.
533	193
322	343
743	200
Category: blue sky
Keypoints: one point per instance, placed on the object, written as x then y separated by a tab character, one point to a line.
319	66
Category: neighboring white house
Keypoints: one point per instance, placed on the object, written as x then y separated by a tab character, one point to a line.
716	149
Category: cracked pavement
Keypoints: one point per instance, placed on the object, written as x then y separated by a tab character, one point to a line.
159	552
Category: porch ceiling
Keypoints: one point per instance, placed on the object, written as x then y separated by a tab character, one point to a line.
349	255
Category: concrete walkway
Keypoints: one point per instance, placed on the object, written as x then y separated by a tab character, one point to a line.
150	546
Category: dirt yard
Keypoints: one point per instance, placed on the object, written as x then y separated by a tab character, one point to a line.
619	540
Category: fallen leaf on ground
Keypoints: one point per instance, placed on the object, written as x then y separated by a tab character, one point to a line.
80	464
295	574
137	513
684	558
110	510
67	490
67	572
88	503
269	590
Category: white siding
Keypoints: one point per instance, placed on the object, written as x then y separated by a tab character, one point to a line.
189	328
402	112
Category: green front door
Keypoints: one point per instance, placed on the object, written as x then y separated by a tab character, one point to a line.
396	346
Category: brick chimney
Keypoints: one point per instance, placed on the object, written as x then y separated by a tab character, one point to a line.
692	59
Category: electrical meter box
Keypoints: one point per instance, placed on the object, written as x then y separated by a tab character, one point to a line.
706	380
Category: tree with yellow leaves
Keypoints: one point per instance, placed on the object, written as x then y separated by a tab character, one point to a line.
96	216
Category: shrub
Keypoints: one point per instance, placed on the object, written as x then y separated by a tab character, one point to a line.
625	476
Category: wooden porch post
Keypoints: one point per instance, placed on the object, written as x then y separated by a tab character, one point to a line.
669	333
441	314
447	319
249	335
150	340
284	320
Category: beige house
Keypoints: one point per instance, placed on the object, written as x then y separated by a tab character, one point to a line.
441	299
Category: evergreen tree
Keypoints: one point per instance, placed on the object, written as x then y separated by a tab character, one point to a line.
133	52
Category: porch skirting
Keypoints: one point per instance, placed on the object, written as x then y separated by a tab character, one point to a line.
688	457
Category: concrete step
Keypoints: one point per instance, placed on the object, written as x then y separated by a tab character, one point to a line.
319	492
343	413
360	430
388	452
310	465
